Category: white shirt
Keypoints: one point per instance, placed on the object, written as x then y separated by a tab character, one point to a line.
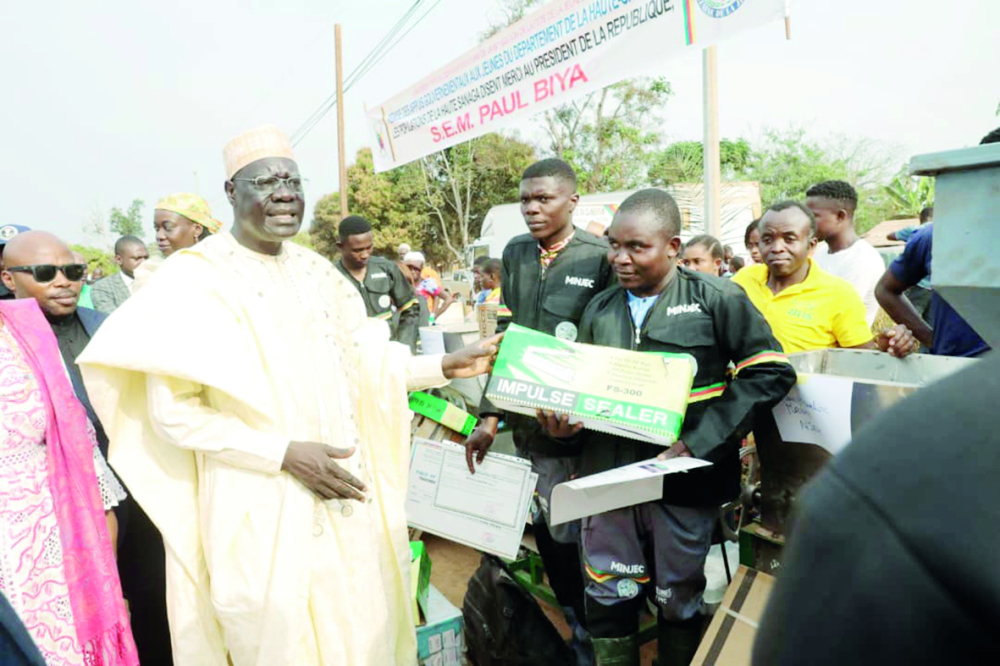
860	264
129	281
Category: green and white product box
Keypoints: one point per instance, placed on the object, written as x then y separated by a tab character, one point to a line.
640	395
440	640
443	412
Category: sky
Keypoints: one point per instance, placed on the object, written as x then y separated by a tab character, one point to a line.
112	100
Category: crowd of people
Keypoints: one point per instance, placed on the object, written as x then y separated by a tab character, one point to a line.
251	399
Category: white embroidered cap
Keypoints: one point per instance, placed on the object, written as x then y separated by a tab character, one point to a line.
266	141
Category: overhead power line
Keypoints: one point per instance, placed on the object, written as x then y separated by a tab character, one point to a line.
378	52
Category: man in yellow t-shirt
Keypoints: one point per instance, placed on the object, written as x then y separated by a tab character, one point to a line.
807	307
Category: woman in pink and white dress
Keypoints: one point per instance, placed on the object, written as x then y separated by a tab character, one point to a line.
57	564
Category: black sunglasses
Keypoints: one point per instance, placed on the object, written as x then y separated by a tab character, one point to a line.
44	273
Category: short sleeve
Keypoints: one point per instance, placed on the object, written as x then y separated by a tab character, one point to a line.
850	320
905	234
911	266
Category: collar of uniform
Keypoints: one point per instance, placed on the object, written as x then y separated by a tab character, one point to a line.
805	285
346	273
554	251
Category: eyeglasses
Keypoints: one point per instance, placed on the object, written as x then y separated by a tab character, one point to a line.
45	273
270	184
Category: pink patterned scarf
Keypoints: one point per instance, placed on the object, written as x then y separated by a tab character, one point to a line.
99	615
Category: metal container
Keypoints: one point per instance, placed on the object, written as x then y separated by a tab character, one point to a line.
820	415
965	268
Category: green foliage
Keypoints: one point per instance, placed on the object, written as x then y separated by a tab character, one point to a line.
97	258
305	239
436	205
606	135
786	164
390	201
910	194
129	222
463	182
683	162
513	11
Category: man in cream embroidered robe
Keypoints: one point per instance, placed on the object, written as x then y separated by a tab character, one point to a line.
249	352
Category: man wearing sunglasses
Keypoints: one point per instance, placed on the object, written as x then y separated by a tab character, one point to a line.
111	292
39	265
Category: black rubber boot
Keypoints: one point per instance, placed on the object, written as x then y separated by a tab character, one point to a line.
677	642
617	651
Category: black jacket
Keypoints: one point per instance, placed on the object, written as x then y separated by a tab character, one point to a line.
543	303
384	292
713	320
892	558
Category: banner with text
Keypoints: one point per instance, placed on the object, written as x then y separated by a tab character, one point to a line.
563	50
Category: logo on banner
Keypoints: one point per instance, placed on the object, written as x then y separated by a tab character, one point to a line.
382	141
719	8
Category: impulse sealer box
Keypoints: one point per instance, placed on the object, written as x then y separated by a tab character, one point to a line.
640	395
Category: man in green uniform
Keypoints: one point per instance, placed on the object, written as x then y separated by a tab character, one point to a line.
658	549
380	282
548	276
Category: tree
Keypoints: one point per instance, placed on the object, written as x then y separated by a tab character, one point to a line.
683	162
389	200
463	182
910	194
512	11
786	164
97	258
127	223
607	134
437	204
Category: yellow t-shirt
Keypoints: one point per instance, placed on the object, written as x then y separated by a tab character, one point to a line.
821	312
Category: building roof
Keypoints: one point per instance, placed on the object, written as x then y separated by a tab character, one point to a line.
878	235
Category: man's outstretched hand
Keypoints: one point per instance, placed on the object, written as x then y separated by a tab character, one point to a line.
677	450
473	360
479	442
314	465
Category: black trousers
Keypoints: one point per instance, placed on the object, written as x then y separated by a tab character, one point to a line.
563	569
142	569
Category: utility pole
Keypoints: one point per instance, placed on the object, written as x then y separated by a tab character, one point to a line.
713	167
340	124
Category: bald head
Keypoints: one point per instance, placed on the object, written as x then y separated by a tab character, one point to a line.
57	298
36	247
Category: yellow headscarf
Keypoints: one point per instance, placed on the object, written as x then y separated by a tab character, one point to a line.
193	208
